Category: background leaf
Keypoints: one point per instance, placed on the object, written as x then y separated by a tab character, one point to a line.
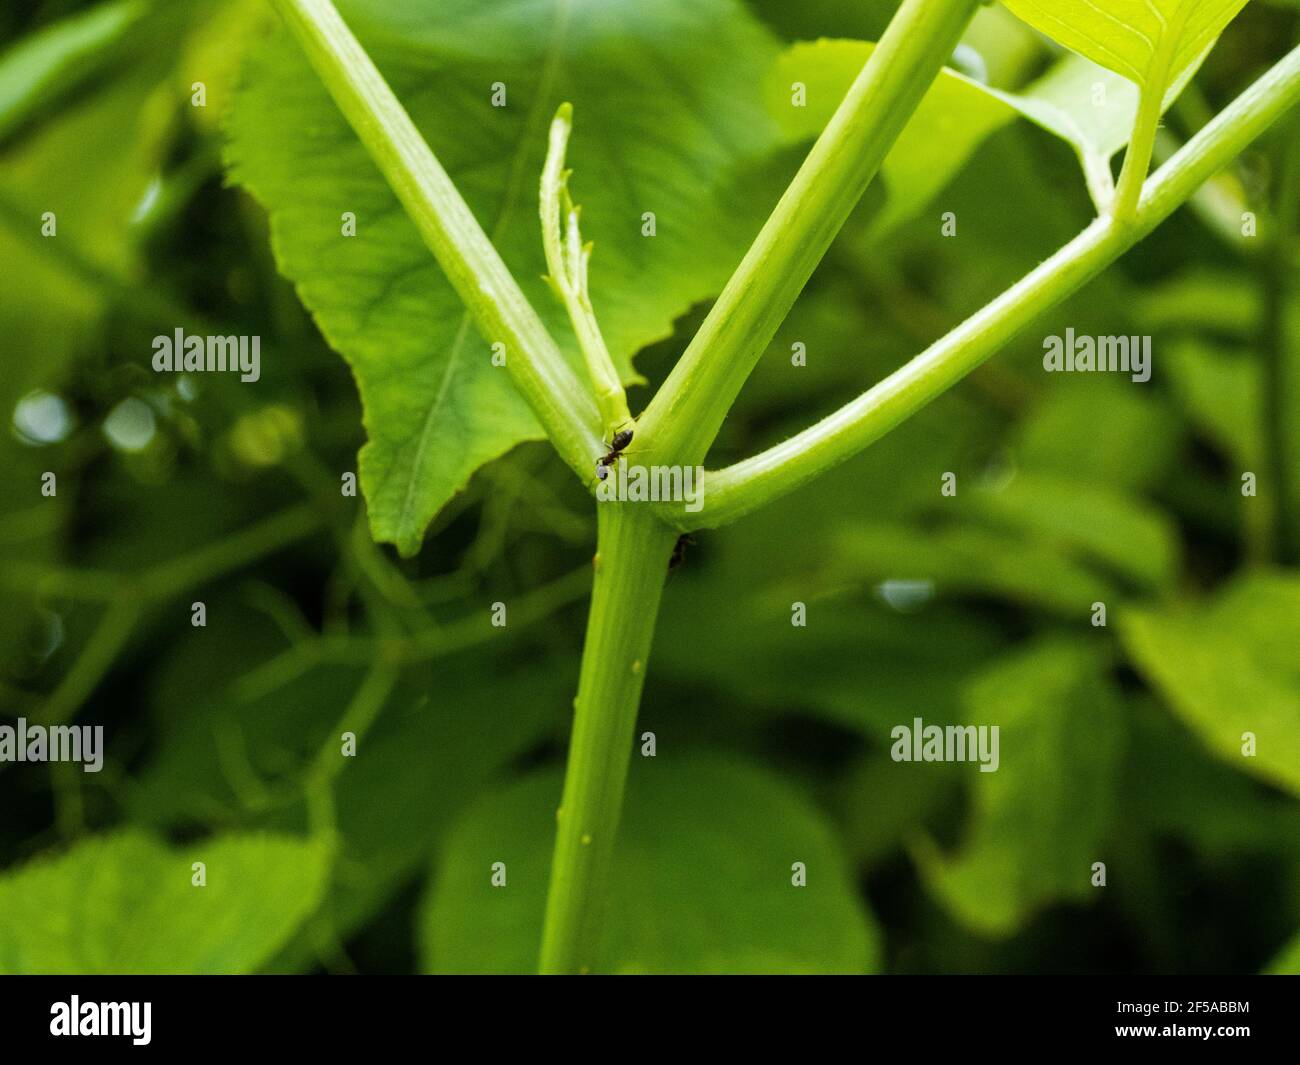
1229	667
720	834
1039	822
124	904
1125	36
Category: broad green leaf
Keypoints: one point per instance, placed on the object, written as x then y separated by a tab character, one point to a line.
1229	667
687	112
1116	530
701	880
1040	820
1150	42
124	903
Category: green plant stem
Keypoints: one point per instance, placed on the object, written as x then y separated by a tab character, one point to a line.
1137	159
404	650
685	415
566	261
100	652
174	576
1142	143
502	312
127	597
633	547
232	553
748	485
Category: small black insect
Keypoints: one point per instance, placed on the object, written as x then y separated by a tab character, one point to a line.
616	445
679	552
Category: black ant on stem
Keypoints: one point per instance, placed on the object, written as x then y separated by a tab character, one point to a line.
620	440
679	552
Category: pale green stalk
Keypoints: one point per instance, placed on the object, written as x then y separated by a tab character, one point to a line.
632	551
567	259
1141	145
684	417
1137	157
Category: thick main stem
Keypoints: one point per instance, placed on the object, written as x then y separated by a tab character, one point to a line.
686	413
633	547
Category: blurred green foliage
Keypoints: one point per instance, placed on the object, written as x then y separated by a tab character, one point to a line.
1120	744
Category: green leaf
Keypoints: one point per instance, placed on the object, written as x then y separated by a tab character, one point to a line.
1228	667
701	880
1041	819
685	114
1110	528
1150	42
124	903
